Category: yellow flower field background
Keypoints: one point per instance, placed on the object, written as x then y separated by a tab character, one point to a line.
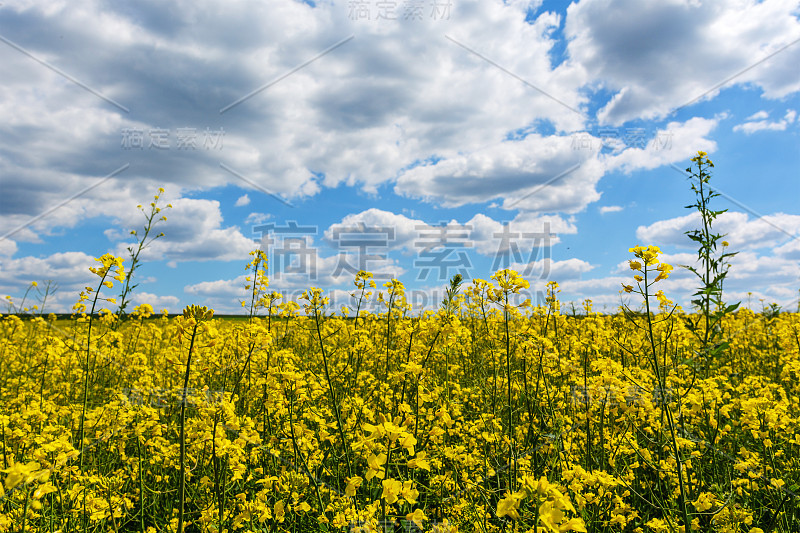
489	414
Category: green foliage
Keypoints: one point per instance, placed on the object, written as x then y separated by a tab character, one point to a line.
712	270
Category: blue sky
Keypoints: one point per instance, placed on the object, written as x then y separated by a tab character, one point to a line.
402	141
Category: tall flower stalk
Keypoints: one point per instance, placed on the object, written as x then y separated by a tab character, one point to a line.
193	316
509	283
112	268
647	265
143	240
712	269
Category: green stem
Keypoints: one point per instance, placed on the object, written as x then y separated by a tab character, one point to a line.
182	437
661	378
334	403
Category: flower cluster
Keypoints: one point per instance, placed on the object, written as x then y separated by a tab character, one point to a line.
647	262
111	268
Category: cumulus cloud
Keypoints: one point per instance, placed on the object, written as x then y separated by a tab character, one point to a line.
387	229
740	229
759	122
679	141
69	271
168	302
790	250
549	174
256	219
7	247
358	115
539	173
656	57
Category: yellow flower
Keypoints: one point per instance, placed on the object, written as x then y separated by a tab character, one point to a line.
376	466
408	441
663	271
391	490
417	517
280	510
573	524
352	485
408	492
420	462
704	502
24	473
510	281
656	524
509	506
550	515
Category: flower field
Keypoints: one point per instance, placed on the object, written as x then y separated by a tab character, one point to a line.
487	415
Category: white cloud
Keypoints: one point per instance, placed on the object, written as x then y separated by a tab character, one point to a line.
610	209
256	218
70	271
657	56
219	288
518	236
170	303
7	247
242	200
537	173
759	115
394	231
677	142
369	109
358	115
758	122
548	174
790	250
739	229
